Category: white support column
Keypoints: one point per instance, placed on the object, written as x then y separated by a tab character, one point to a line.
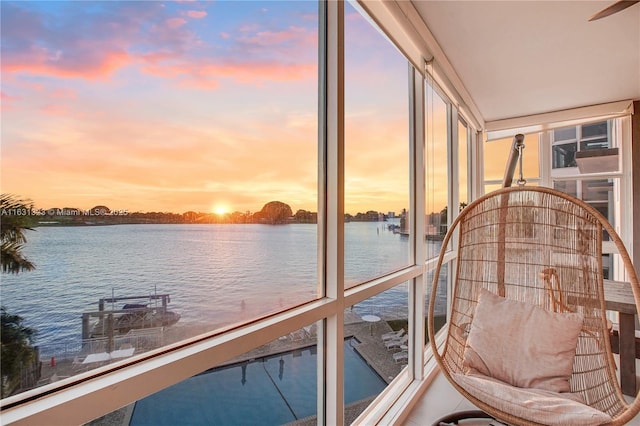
454	165
476	171
454	189
624	202
418	251
331	223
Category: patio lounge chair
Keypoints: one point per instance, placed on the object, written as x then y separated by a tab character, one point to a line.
527	341
297	335
392	335
311	331
399	357
397	343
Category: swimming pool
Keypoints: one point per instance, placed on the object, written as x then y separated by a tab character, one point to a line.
267	391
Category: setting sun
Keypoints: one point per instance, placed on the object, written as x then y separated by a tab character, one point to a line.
220	210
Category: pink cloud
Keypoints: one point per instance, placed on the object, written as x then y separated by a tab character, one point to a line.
88	46
196	14
207	76
245	28
7	101
6	97
175	23
200	83
256	56
293	43
40	62
264	71
98	47
268	38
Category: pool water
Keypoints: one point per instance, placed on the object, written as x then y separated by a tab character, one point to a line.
266	391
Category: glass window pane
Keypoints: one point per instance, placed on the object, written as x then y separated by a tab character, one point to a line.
273	384
177	131
378	328
496	155
436	179
440	312
588	137
376	151
599	194
595	129
564	155
491	187
598	143
607	266
568	187
568	133
596	192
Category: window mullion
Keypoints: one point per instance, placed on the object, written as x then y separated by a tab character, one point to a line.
417	199
331	355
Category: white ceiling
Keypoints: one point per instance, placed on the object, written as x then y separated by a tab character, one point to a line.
518	58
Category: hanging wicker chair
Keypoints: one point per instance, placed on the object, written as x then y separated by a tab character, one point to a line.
528	247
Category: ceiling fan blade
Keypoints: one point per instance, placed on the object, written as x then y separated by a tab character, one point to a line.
613	8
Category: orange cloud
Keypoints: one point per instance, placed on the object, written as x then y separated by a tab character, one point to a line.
55	109
64	93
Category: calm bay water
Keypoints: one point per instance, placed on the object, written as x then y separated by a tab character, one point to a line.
215	274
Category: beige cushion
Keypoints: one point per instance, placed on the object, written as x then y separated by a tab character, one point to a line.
535	405
522	344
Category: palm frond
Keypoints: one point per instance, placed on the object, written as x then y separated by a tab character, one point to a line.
15	219
12	259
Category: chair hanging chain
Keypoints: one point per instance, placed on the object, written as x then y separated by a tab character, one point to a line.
515	158
522	181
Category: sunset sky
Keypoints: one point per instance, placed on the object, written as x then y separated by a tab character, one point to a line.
189	105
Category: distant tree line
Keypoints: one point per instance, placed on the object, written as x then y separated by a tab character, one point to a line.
273	213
